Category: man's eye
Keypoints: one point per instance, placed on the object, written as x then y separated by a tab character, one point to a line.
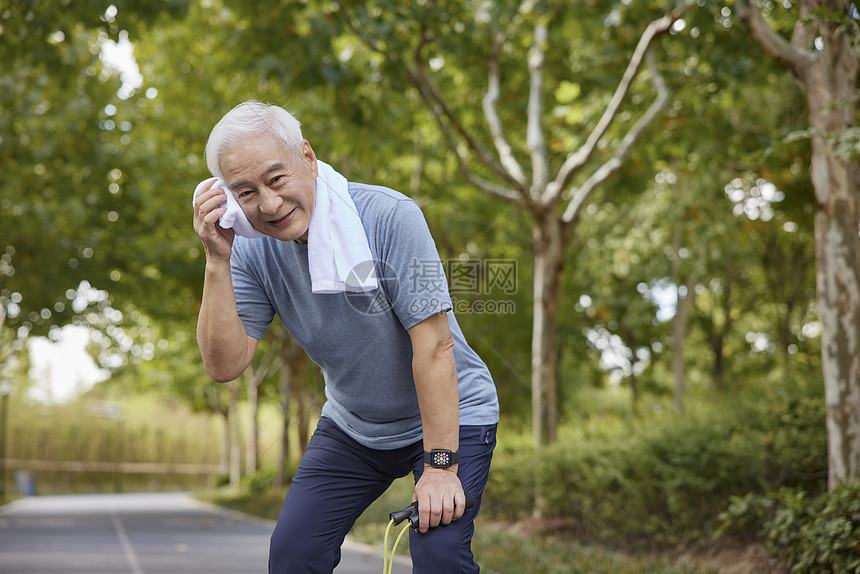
277	178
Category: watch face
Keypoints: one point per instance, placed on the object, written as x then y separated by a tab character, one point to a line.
441	458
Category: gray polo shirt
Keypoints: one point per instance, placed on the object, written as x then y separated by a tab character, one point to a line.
359	339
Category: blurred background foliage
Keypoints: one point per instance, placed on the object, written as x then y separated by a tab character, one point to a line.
714	204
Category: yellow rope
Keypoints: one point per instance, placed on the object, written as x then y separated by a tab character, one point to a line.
394	548
385	547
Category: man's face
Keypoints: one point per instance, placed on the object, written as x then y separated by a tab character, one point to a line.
273	184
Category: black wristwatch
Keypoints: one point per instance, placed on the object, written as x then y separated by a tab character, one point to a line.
441	458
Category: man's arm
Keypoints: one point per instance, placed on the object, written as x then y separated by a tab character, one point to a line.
438	492
225	347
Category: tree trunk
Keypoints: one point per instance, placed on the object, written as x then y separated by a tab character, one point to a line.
838	284
679	337
284	389
820	56
837	248
719	332
235	434
255	374
293	364
224	463
296	385
252	446
633	380
680	321
213	394
548	233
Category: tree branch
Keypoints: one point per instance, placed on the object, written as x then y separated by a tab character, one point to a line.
471	177
577	202
576	161
270	361
790	56
433	99
506	156
803	36
534	130
434	103
366	40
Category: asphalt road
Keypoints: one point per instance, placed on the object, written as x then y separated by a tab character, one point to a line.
145	534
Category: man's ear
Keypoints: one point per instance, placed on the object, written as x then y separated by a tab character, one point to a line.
310	157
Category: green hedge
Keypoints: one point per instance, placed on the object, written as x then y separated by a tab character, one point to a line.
665	484
811	533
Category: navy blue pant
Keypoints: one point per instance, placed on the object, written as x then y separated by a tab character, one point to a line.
339	478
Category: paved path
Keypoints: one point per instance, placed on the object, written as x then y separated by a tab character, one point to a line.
144	534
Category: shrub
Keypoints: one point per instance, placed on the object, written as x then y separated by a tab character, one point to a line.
220	480
811	533
261	482
666	483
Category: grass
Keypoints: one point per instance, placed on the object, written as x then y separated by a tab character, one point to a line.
502	550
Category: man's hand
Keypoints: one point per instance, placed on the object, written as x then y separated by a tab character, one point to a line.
440	497
208	208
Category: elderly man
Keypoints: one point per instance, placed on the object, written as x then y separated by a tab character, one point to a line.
353	273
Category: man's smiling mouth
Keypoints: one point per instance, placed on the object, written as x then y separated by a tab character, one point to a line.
284	220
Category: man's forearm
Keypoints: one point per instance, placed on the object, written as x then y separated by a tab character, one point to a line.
220	333
439	492
438	399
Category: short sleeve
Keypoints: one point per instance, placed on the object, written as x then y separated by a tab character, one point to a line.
255	308
413	274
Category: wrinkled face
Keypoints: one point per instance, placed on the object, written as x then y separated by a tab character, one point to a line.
273	184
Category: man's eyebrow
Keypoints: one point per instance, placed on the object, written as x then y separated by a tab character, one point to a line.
274	167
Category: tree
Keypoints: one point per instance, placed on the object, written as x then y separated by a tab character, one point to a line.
684	231
62	154
553	196
264	363
821	55
294	389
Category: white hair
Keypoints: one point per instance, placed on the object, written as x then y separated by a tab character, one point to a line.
250	119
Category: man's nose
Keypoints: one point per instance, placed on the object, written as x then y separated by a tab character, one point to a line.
269	201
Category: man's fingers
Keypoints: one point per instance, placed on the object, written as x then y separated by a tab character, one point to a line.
460	505
211	199
449	508
443	511
440	510
214	215
424	513
209	206
429	513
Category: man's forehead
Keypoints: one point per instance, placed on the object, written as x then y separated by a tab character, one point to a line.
256	155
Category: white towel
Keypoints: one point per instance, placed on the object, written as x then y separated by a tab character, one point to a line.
338	252
234	218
